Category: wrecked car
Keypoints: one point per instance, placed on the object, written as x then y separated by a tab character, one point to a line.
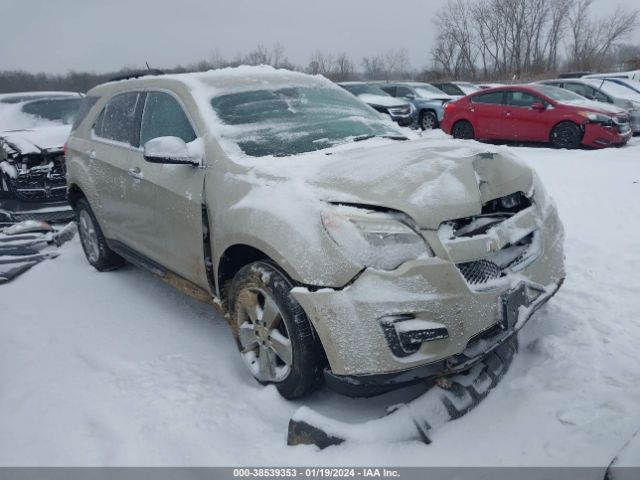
341	249
33	130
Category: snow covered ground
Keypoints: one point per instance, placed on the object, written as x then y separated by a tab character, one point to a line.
119	369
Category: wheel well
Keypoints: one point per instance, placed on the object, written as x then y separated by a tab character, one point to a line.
581	127
462	120
232	260
75	194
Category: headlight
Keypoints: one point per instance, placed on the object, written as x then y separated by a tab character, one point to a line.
374	239
597	117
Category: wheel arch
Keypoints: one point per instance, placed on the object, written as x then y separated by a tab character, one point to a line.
567	120
75	193
232	260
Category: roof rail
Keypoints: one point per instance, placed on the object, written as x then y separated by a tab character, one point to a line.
135	74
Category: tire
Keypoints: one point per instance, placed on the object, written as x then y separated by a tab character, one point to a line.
272	331
566	135
428	120
463	130
95	247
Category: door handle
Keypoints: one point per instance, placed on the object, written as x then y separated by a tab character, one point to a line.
508	114
136	173
91	154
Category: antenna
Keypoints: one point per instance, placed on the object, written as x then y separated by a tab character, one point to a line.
147	64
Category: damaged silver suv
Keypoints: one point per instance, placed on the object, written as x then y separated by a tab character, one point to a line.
340	248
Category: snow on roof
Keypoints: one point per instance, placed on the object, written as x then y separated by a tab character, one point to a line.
247	78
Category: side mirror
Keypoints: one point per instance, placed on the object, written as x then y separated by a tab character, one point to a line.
538	106
171	150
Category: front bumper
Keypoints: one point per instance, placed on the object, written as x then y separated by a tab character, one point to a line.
404	120
598	136
12	210
350	321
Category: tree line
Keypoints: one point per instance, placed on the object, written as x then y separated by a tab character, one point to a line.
475	40
502	39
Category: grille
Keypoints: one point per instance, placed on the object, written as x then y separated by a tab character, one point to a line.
480	271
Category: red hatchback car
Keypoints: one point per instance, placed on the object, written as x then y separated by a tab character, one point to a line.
536	113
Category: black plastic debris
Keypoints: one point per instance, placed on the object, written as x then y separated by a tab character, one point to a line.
28	243
451	398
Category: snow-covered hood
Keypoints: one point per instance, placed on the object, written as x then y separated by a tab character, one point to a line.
426	95
381	100
432	181
594	106
37	139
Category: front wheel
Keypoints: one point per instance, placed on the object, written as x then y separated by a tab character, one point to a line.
272	331
428	121
463	130
566	135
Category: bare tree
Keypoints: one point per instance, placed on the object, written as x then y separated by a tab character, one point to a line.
259	56
592	39
397	63
320	64
374	67
344	68
524	38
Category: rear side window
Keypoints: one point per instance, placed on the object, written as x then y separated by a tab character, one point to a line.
163	116
390	90
494	98
449	88
521	99
86	105
577	88
403	92
117	120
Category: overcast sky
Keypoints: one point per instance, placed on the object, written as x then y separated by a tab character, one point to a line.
105	35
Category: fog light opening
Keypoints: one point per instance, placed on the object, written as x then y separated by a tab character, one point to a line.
405	333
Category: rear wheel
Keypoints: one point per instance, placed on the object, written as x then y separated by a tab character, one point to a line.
566	135
93	242
463	130
428	120
272	331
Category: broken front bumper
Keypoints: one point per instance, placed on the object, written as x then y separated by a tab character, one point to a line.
597	136
12	210
352	323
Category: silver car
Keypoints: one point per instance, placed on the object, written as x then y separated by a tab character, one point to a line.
603	91
340	249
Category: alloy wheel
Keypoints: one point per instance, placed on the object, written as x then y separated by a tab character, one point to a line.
265	343
88	236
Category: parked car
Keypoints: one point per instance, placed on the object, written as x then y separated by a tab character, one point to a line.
574	74
625	82
537	113
33	129
401	112
427	100
484	86
630	75
456	89
333	242
606	92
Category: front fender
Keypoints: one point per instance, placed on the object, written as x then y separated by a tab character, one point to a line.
298	243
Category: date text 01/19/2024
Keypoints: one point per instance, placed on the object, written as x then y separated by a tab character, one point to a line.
315	472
